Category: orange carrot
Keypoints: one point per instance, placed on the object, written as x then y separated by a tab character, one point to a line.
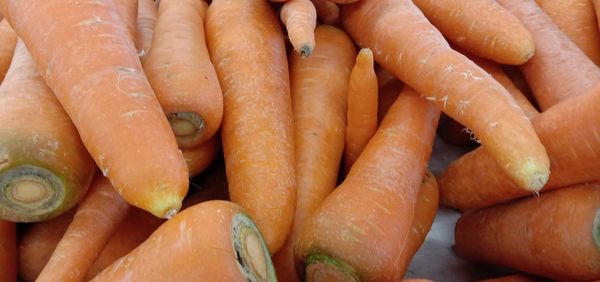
8	37
327	12
181	74
146	21
407	45
362	107
577	20
300	19
96	219
246	44
128	10
571	138
319	124
559	70
91	64
556	235
231	249
425	210
8	249
44	168
481	27
516	278
199	158
360	231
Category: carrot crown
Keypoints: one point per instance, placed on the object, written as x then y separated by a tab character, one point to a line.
251	252
322	267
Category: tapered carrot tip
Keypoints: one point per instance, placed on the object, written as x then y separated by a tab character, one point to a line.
30	193
251	250
187	127
365	58
321	268
536	177
306	50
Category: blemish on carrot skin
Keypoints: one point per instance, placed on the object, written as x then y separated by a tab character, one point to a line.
126	69
462	105
137	95
450	68
89	22
132	113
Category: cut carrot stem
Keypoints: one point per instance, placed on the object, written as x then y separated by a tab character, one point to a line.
555	235
300	20
406	44
319	123
44	168
246	42
232	249
8	38
8	249
199	158
327	12
97	217
359	230
146	21
557	71
362	107
107	96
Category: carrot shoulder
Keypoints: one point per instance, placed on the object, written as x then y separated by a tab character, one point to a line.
300	20
8	249
360	229
246	44
406	44
8	40
90	62
481	27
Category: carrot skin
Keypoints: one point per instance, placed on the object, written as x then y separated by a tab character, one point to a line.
199	158
128	10
246	44
8	249
146	21
8	37
300	20
327	12
425	211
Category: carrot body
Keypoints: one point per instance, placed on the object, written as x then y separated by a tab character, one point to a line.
571	138
481	27
181	73
577	20
199	158
361	229
327	12
246	45
8	37
8	249
319	122
96	219
106	95
146	21
425	210
213	241
559	70
407	45
300	20
362	107
556	235
44	168
128	9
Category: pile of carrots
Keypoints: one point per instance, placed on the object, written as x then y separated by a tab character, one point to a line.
305	127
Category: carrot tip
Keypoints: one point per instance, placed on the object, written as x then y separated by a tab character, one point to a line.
321	267
252	255
538	181
170	213
305	50
187	127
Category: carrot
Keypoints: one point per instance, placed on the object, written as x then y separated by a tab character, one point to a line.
362	107
106	95
327	12
96	219
571	138
8	249
246	42
407	45
559	70
145	23
481	27
516	278
300	20
556	235
44	168
361	229
181	74
8	37
128	10
319	124
577	20
232	249
199	158
37	243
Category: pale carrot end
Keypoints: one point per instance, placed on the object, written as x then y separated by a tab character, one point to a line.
365	58
596	230
535	176
165	207
321	267
187	127
306	50
252	255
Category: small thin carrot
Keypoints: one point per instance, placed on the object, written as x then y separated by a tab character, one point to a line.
362	107
327	12
96	219
44	168
8	249
556	235
232	249
319	124
360	229
181	73
199	158
300	20
481	27
559	70
8	37
246	43
405	43
146	21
